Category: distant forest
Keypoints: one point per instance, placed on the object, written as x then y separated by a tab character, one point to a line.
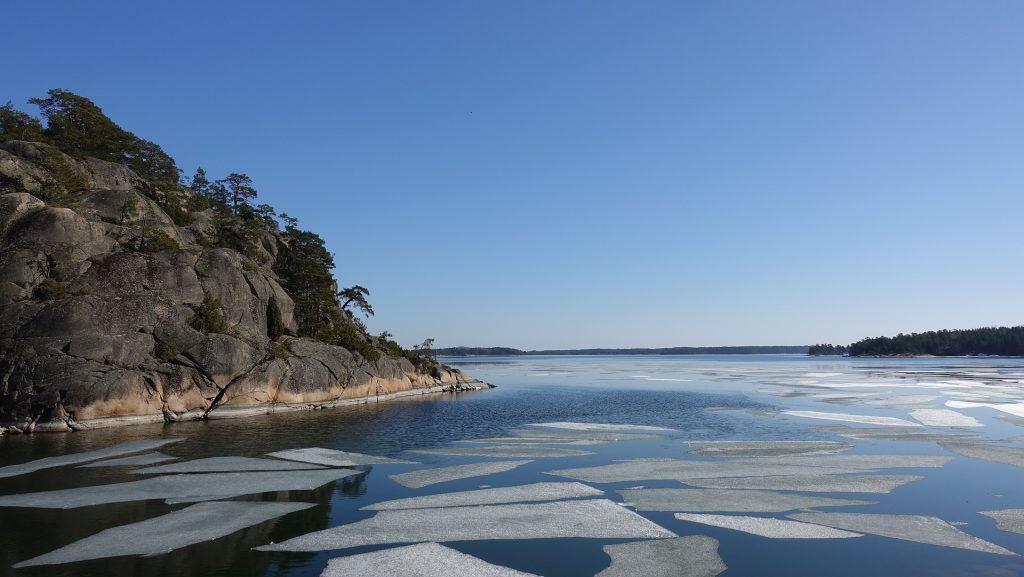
507	351
1001	341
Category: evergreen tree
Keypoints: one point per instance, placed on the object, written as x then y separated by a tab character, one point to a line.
238	188
16	125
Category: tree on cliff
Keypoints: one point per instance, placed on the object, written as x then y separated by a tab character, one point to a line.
78	127
355	296
17	125
238	189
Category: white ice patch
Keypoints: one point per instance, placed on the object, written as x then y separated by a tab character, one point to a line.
528	452
728	500
866	419
519	494
943	418
1011	520
76	458
422	560
767	527
986	451
590	518
591	435
134	461
1015	409
176	486
811	483
684	470
535	441
916	528
822	375
763	448
225	465
333	458
601	427
425	477
195	524
695	556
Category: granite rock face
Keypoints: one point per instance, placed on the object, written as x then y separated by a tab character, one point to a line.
115	343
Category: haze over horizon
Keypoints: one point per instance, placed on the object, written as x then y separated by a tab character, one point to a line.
575	174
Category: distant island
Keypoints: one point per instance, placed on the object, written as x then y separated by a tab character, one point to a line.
508	351
987	341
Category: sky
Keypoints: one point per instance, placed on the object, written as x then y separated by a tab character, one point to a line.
568	174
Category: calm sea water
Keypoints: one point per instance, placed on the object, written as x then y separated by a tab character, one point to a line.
704	398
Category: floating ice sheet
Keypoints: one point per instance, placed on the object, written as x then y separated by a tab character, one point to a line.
602	427
422	560
333	458
76	458
917	528
195	524
767	527
903	400
763	448
589	518
1008	519
530	452
683	470
176	486
728	500
134	461
943	418
226	465
518	494
425	477
986	451
199	499
811	483
528	441
892	433
568	434
1015	409
695	556
867	419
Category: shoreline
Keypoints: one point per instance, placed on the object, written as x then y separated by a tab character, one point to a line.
229	412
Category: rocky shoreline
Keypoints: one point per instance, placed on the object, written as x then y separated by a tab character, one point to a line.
464	384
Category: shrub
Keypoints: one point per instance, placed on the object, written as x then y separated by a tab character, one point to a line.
83	290
279	350
167	350
51	290
209	316
275	324
159	241
249	265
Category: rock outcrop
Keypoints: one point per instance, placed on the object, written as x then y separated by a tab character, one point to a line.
95	331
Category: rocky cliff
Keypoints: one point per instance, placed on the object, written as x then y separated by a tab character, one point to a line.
97	323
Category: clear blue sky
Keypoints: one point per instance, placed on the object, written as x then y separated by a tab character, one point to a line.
589	173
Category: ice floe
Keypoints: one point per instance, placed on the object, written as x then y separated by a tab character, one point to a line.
134	461
76	458
176	486
518	494
986	451
695	556
530	452
763	448
425	477
917	528
333	458
811	483
570	434
195	524
728	500
588	518
226	465
683	470
768	527
528	441
943	418
1011	520
422	560
1015	409
866	419
601	427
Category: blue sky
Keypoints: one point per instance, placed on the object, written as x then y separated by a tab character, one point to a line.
547	174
